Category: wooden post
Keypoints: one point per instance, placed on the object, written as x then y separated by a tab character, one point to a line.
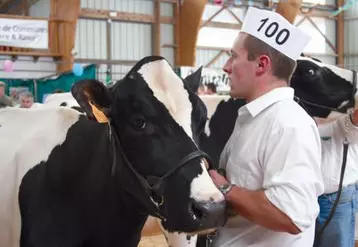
64	33
191	12
289	9
176	10
156	29
340	35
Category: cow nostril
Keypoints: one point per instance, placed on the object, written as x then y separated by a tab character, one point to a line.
198	210
209	213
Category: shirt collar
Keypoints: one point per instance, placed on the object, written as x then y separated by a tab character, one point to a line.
264	101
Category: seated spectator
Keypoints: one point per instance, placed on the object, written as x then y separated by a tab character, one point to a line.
4	99
211	88
14	96
201	89
27	100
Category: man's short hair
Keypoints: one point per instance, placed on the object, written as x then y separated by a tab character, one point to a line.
2	84
26	94
282	66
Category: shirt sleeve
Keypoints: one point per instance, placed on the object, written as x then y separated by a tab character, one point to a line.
340	128
292	179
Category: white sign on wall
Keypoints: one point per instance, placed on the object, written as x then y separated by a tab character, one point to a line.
209	75
24	33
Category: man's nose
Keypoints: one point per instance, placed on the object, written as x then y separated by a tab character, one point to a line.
227	68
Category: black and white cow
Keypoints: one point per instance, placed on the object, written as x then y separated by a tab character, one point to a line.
320	89
71	179
323	89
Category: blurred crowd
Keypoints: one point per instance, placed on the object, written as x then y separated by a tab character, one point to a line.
208	89
14	99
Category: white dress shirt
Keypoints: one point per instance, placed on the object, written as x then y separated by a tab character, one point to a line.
275	146
332	137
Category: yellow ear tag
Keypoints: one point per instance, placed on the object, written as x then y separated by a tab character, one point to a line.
101	118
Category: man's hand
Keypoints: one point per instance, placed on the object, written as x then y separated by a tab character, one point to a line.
217	178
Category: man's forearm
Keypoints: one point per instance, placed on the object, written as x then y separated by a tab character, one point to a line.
255	206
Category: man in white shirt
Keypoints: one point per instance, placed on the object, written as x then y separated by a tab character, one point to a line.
272	159
340	231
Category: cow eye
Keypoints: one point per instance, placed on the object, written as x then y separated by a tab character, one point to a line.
138	122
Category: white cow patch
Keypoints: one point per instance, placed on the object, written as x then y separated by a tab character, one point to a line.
169	89
27	137
58	98
344	73
203	188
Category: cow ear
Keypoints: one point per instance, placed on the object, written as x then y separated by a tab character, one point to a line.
193	80
94	98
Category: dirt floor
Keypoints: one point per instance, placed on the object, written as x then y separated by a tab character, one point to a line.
153	241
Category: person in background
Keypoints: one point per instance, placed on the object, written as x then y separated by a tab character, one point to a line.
27	100
201	89
14	96
4	99
272	160
211	89
340	232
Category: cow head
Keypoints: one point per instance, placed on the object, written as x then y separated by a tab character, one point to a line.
323	88
157	119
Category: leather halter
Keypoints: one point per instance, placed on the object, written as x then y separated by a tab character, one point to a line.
341	109
153	187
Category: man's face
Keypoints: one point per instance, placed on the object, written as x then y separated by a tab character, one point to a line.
241	71
2	91
26	102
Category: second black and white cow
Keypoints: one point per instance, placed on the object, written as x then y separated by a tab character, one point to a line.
67	180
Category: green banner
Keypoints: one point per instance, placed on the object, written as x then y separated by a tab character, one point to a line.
47	86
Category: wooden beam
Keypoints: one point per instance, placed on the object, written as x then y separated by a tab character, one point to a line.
105	61
123	16
340	34
234	15
214	59
213	16
30	54
65	33
176	10
156	29
190	20
323	35
289	9
226	25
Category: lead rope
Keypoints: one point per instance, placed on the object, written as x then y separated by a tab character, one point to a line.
319	232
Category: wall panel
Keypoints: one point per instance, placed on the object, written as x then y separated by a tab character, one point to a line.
91	42
130	41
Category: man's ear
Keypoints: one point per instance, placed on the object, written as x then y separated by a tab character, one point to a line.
192	81
94	98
